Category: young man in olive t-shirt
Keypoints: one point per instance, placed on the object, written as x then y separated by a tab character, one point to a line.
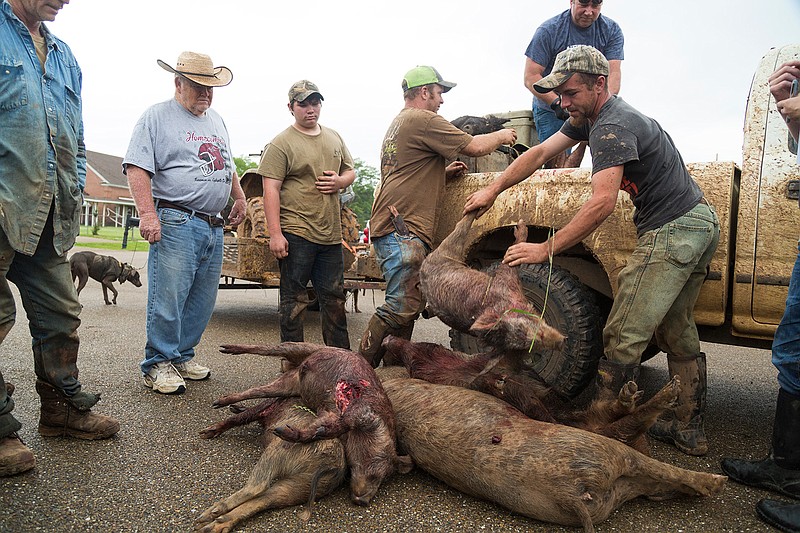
413	174
303	169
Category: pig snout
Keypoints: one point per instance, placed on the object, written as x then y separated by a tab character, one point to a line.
549	337
363	487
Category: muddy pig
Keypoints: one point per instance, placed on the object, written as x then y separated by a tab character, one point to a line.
350	404
286	473
491	307
617	417
483	447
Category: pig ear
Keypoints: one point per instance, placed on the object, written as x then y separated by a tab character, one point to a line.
404	464
485	322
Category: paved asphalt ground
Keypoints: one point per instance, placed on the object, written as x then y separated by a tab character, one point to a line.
158	475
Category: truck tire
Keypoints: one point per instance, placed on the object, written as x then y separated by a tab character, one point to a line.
571	309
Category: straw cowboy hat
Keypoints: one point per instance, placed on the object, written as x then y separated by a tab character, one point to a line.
199	68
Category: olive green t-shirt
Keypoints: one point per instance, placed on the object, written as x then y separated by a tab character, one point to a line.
297	159
413	171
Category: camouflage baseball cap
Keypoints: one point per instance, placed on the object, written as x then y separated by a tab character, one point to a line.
424	75
302	90
578	58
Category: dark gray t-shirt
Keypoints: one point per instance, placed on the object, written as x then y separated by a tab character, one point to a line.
654	173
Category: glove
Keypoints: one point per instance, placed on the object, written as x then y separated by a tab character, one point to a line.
558	110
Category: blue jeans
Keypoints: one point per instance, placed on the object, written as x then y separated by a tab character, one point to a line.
323	265
658	288
546	123
51	305
183	272
400	259
786	344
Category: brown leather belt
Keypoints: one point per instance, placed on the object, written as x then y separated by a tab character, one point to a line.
212	221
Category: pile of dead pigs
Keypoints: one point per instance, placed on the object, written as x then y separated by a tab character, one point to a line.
330	415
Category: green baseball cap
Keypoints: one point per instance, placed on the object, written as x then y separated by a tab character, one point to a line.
578	58
302	90
424	75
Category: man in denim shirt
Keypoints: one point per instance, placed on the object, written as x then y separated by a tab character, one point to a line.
42	174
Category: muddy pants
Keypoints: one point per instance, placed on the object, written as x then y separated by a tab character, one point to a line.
400	258
51	305
323	265
658	288
786	344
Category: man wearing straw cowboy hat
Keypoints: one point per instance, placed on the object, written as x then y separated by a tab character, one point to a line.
677	229
181	174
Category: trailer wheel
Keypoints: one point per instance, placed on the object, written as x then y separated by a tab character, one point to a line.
571	309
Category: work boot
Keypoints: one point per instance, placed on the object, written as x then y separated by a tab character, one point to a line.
611	376
15	457
780	470
782	515
63	416
371	347
682	425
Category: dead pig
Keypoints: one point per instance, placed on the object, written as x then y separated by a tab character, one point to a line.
350	404
479	125
485	448
286	474
614	416
491	307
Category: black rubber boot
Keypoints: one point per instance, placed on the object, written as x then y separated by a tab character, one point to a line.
782	515
780	470
682	426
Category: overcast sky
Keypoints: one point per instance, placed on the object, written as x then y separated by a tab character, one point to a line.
688	63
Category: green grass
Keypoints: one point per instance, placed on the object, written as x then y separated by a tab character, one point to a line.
110	238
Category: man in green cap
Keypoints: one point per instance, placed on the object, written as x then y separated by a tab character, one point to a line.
413	174
303	169
678	232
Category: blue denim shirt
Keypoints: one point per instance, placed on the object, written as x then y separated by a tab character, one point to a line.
42	154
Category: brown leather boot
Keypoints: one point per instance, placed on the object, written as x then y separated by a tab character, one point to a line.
61	416
683	425
370	347
15	457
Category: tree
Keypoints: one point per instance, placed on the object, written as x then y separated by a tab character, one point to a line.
243	163
367	178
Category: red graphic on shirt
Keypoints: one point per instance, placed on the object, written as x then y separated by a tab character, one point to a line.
629	187
211	157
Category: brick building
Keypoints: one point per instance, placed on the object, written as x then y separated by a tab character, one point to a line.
107	199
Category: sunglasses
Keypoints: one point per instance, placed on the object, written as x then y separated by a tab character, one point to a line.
585	3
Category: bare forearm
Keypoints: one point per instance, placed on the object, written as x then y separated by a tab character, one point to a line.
141	190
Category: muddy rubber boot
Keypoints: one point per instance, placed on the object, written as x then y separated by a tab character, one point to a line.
611	376
15	457
682	426
782	515
62	416
780	470
371	347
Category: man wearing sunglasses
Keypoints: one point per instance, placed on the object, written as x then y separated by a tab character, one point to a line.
582	23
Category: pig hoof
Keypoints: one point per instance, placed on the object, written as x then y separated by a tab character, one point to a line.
628	394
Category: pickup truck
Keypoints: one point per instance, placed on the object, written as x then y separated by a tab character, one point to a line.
743	297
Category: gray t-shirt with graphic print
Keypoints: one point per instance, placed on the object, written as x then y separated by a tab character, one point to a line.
188	157
653	171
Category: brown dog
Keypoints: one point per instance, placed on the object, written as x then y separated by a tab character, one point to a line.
104	269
